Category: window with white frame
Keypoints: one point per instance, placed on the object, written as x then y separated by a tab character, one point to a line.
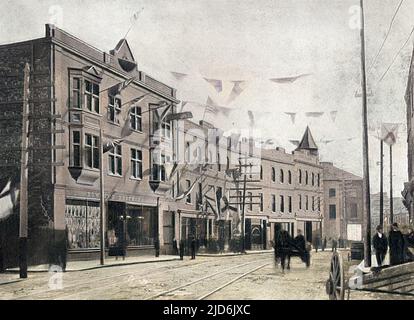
114	109
115	161
91	96
76	148
91	151
136	164
135	116
76	92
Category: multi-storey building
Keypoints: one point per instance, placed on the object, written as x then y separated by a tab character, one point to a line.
344	210
81	97
162	180
408	192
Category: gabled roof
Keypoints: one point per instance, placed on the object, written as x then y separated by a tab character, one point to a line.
330	172
124	55
307	142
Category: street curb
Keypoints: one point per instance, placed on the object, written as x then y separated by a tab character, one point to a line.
97	267
232	254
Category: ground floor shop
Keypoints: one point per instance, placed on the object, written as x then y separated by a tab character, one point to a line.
130	228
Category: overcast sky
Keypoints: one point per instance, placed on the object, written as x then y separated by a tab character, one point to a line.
255	41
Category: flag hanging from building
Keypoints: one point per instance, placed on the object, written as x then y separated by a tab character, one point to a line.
295	142
289	79
389	133
214	108
8	199
179	76
217	84
124	84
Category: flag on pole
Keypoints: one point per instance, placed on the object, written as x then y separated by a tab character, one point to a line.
389	132
8	199
124	84
217	84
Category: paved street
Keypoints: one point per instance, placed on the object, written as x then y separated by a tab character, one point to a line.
252	276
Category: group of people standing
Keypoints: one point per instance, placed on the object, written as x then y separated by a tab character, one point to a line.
397	243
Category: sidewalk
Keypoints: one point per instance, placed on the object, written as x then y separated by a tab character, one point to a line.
95	264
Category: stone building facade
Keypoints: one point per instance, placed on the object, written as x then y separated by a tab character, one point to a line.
344	207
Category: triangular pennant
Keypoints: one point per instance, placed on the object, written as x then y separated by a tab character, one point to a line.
217	84
179	76
238	88
292	116
333	115
314	114
289	79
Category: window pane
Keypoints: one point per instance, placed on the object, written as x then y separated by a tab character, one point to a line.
96	158
95	89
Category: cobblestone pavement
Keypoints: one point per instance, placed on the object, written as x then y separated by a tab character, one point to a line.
252	276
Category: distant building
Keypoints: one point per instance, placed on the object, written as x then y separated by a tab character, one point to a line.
343	204
408	192
400	211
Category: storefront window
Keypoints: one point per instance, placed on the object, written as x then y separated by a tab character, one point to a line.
82	221
141	225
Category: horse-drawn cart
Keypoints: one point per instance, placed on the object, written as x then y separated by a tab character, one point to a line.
396	280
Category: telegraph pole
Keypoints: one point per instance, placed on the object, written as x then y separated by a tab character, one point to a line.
243	226
381	182
102	198
23	224
367	197
391	200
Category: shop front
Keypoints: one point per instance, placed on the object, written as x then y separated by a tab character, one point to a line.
131	227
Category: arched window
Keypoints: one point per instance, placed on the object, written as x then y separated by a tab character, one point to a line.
313	179
300	176
228	164
261	172
282	176
290	177
273	174
319	180
306	178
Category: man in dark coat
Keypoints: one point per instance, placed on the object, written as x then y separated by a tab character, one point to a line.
193	248
300	244
324	244
396	244
380	243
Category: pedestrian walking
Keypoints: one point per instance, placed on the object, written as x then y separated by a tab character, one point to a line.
380	243
334	245
317	243
175	247
324	244
157	248
182	245
193	248
396	244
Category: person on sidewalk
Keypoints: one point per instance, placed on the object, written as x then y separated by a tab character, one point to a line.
380	243
396	244
182	245
334	245
175	247
193	248
317	243
324	244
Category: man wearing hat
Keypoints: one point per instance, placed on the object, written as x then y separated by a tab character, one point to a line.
380	243
396	244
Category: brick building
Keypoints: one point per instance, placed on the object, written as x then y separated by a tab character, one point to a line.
81	97
344	206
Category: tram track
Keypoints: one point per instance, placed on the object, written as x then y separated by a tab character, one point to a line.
104	278
149	277
218	277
